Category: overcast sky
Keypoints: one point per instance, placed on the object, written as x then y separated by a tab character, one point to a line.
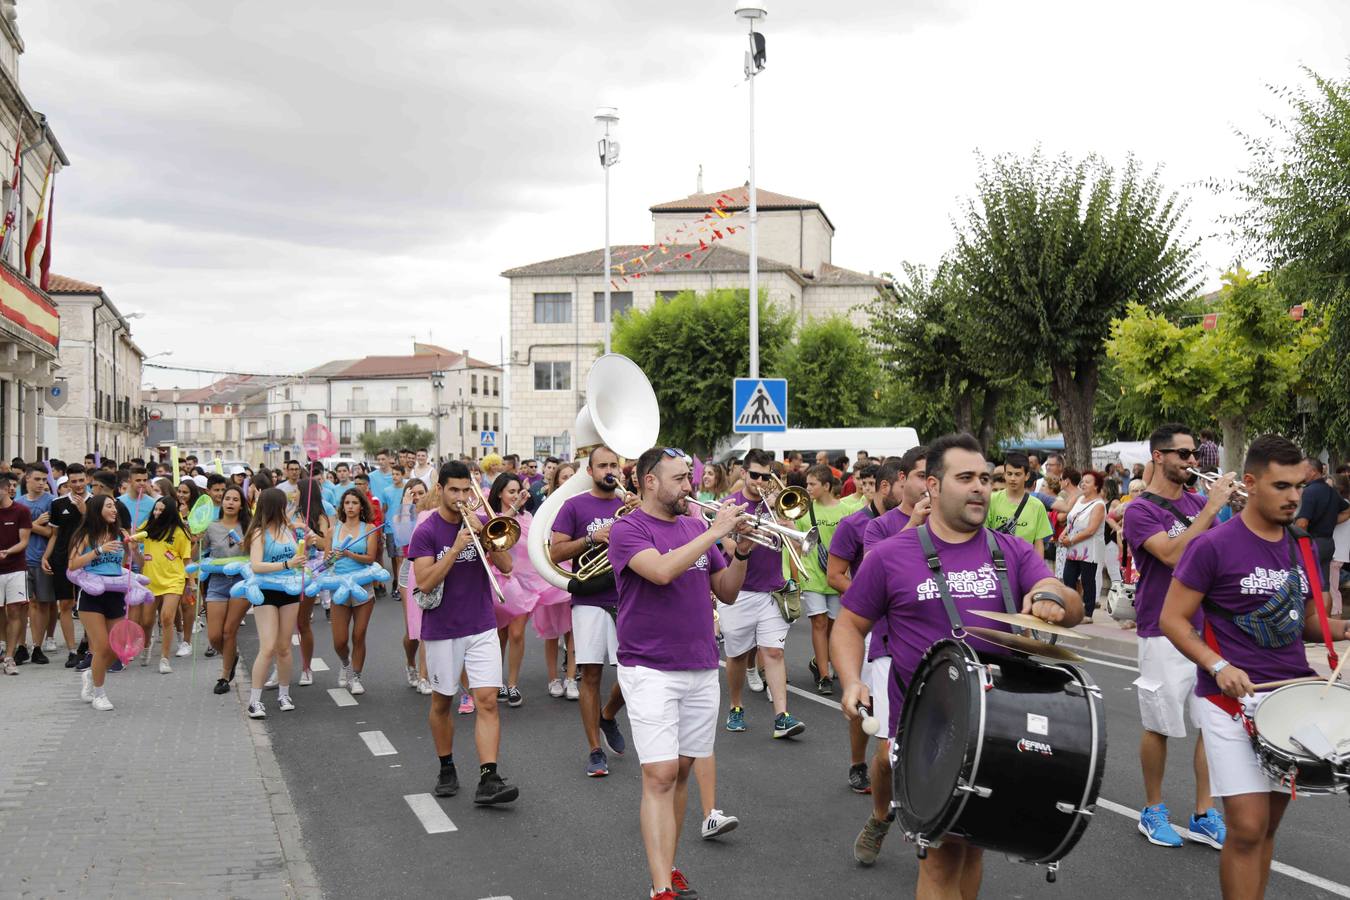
278	184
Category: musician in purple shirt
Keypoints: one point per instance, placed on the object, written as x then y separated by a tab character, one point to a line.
666	566
912	487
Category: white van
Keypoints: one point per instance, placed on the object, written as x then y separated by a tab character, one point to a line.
878	442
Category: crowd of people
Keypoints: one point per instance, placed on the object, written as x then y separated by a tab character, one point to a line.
683	585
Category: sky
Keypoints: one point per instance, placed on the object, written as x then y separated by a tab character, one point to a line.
278	184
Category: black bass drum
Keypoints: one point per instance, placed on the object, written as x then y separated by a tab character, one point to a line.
1007	754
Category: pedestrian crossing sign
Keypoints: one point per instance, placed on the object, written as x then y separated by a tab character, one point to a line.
487	438
759	405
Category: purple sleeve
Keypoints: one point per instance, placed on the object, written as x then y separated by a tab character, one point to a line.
1196	567
1142	521
626	540
423	541
845	544
1029	565
565	521
867	595
875	533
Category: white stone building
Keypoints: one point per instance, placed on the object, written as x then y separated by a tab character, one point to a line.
557	306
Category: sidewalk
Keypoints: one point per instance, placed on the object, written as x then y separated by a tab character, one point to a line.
172	794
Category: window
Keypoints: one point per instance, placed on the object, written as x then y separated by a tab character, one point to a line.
473	384
345	430
496	386
311	419
552	308
402	399
399	423
620	302
252	428
473	420
496	423
552	376
286	425
667	295
543	446
368	427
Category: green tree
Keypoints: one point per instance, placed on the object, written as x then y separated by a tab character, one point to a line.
1243	369
408	435
1050	252
833	377
691	347
1297	216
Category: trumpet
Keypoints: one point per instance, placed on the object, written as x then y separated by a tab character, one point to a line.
1209	479
768	533
500	532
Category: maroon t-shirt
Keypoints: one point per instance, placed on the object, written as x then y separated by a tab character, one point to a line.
13	519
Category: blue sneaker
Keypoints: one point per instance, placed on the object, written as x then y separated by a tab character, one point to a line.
85	662
736	719
1209	828
1153	824
613	736
787	725
598	767
117	666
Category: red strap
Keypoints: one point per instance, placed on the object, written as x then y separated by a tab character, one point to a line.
1315	584
1222	701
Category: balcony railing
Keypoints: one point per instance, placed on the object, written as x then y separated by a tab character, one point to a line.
358	405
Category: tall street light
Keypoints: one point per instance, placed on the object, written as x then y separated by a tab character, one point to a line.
754	64
607	116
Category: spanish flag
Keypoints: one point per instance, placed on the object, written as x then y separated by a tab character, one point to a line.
39	226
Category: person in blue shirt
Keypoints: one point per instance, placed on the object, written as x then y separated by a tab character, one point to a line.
41	587
137	499
391	499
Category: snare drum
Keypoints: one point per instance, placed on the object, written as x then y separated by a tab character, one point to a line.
1277	719
1006	753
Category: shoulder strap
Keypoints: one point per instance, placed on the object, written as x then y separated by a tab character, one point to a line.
1304	544
1026	495
935	566
1168	505
1001	571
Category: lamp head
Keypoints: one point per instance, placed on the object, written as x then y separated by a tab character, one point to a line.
607	115
746	10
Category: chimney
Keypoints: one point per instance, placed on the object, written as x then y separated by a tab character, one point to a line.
466	359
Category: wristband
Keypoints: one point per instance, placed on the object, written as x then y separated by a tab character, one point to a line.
1218	667
737	554
1051	597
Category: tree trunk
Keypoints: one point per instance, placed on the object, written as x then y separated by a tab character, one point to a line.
1234	443
989	410
964	414
1075	394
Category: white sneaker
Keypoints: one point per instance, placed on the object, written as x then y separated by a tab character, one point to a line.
344	676
555	688
164	667
184	649
423	686
103	704
412	678
306	678
87	686
285	704
354	684
717	823
271	683
149	648
11	667
49	645
753	681
570	689
257	711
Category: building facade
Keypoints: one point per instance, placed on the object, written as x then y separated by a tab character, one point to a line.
557	306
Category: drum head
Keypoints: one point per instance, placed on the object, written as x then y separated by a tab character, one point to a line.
1284	711
936	734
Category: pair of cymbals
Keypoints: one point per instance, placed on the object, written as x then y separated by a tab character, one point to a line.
1022	643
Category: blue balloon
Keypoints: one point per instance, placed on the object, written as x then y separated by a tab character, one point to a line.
346	586
289	581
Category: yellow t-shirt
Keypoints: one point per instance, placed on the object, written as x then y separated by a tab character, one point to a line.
165	563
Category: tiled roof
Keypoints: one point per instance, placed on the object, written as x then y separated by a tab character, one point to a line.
418	364
230	389
62	284
332	367
735	198
836	275
592	262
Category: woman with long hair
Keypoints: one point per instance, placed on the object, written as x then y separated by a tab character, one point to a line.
522	587
223	539
1083	540
101	546
270	546
553	616
167	551
259	483
311	522
412	505
355	544
714	485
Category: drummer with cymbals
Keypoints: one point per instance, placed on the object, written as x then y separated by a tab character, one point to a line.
1251	578
897	582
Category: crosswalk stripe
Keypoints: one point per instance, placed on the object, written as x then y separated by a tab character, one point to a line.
341	697
429	813
379	744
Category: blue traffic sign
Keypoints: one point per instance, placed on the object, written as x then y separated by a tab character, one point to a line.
271	447
487	438
759	405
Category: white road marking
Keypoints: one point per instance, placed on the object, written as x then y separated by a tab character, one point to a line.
1111	665
379	744
429	813
341	697
318	665
796	690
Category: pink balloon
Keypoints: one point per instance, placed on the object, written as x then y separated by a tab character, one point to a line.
126	639
697	476
319	442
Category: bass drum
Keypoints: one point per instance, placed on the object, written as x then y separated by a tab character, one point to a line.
1006	754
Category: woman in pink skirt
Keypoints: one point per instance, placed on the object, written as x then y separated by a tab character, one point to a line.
405	520
521	588
553	616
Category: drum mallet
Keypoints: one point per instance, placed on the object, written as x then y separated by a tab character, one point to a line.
870	724
1330	681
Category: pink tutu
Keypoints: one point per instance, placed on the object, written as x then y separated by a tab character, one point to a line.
552	621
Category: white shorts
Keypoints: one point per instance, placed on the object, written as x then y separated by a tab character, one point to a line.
478	655
814	603
594	636
878	676
752	621
1233	766
1165	685
13	588
672	714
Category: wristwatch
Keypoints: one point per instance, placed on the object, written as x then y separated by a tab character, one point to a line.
742	558
1218	667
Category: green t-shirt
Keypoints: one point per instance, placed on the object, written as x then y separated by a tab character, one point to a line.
827	520
1033	524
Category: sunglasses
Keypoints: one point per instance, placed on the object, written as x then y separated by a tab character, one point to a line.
759	476
1181	452
675	453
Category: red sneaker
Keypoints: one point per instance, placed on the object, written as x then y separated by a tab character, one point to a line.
680	885
665	895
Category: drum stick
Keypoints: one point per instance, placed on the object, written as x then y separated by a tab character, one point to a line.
870	724
1271	685
1334	675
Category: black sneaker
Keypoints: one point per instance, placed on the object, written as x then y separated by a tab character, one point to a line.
39	658
447	783
86	660
493	789
815	669
210	651
858	780
824	687
83	648
21	655
222	687
71	660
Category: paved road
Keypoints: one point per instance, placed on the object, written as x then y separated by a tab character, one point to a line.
574	837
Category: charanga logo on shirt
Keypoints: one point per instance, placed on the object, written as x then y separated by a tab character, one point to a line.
966	583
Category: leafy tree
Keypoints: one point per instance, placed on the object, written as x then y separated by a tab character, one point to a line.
691	347
408	435
1050	253
833	377
1246	367
1297	216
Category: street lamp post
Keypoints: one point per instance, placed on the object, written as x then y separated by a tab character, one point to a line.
754	64
609	155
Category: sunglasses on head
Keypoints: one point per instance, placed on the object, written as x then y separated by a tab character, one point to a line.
675	453
1181	452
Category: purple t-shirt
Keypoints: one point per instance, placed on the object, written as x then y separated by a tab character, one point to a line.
847	541
764	569
582	515
1144	519
888	524
664	627
466	603
1238	571
894	583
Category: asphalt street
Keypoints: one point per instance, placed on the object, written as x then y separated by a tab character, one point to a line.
355	769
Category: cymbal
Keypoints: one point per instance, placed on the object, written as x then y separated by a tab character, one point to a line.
1029	622
1025	644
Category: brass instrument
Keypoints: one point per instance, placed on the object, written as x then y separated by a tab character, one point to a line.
1209	479
500	532
767	532
594	561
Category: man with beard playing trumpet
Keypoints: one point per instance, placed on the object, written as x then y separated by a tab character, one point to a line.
666	563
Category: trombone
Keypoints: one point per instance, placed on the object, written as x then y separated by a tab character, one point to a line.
500	532
1209	479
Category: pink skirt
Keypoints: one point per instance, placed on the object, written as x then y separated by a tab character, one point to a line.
553	620
519	599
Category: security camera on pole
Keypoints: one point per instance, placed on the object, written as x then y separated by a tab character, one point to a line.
609	155
754	64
